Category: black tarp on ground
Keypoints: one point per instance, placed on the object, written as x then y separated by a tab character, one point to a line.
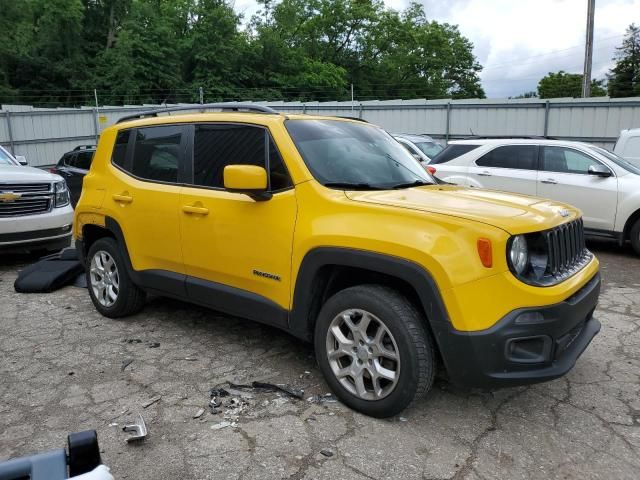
50	273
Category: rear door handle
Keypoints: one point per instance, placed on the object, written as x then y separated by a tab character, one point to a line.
550	181
192	209
484	174
123	198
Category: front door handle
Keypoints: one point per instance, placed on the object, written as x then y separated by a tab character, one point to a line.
485	174
550	181
194	209
124	197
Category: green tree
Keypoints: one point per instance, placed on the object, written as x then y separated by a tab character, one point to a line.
624	77
563	84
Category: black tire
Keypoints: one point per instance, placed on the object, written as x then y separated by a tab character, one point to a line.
413	340
130	298
634	237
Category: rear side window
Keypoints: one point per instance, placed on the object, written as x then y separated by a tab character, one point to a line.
157	153
120	148
451	152
83	160
219	145
520	157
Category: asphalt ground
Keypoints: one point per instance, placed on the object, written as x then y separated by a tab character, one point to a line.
65	368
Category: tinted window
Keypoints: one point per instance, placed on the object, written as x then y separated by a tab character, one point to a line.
69	159
216	146
83	160
522	157
120	148
451	152
566	160
157	153
280	178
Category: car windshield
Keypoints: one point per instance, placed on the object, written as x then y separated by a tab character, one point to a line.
430	149
618	160
350	155
5	159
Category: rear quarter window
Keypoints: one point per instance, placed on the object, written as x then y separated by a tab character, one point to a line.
451	152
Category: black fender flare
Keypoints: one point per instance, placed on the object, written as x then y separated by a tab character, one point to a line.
300	322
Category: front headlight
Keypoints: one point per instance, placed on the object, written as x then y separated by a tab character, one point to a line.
519	254
61	195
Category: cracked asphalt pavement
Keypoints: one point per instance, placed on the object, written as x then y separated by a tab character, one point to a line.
64	368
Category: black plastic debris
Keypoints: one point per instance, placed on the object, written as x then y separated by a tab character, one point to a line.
271	387
216	395
50	273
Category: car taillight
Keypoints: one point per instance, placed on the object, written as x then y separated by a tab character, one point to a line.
52	170
431	170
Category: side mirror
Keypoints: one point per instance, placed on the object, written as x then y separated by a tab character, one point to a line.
22	160
599	171
248	179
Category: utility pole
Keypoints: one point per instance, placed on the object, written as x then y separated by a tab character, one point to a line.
588	51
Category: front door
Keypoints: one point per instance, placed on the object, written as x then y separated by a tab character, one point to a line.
564	176
229	239
510	168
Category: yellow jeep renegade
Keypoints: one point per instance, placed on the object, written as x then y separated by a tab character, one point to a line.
330	230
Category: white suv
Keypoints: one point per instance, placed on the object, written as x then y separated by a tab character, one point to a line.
35	213
603	185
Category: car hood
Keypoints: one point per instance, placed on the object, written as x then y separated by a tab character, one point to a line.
512	213
15	174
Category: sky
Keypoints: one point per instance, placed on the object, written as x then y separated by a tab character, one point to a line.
520	41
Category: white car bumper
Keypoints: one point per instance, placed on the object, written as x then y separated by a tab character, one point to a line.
53	227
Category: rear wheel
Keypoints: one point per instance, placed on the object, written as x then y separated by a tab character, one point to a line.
112	291
373	349
634	236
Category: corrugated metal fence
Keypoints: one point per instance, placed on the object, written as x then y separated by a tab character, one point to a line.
43	135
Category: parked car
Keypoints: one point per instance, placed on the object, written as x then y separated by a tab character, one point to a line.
73	166
603	185
628	145
35	212
422	147
328	229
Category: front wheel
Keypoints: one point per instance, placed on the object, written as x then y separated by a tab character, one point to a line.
634	236
374	350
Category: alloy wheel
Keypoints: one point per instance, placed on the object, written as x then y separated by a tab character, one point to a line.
363	354
104	278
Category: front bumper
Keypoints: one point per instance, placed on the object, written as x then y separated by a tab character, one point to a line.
528	345
49	230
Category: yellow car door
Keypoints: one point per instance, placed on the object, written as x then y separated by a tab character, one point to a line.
237	250
143	196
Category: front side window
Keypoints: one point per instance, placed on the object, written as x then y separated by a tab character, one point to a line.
566	160
219	145
156	155
520	157
343	154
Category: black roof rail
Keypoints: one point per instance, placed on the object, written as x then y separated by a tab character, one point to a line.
357	119
84	147
229	107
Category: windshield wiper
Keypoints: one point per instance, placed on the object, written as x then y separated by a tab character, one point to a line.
416	183
352	186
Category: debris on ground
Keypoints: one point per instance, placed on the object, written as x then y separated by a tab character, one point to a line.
153	344
272	387
199	413
221	425
216	395
326	398
139	430
326	452
132	340
151	402
125	364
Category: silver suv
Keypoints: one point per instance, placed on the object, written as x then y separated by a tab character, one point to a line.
35	211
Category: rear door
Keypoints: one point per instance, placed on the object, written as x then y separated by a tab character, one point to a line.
564	176
510	168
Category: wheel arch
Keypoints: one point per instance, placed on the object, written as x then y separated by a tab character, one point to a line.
633	218
327	270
